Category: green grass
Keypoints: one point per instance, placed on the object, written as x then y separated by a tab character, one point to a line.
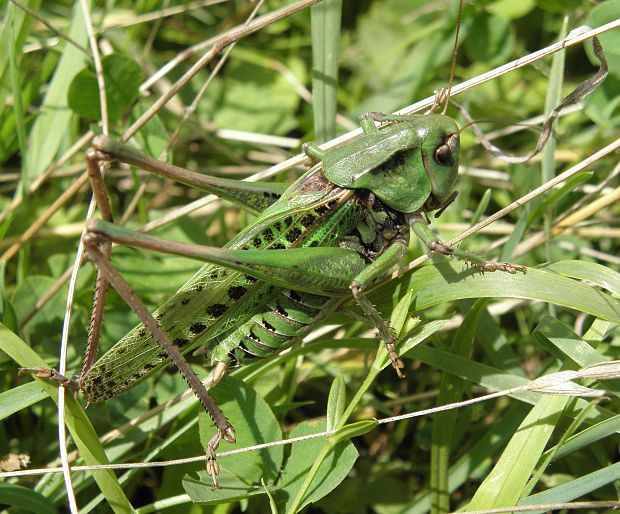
477	332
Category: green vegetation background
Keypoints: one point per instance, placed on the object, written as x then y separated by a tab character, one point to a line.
533	448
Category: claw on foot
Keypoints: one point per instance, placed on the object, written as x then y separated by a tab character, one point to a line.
213	467
228	434
398	365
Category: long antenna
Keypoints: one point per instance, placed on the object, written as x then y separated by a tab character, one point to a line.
454	50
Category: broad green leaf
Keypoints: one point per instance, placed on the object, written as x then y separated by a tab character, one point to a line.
335	402
200	489
492	39
256	99
332	472
29	291
153	135
510	8
254	423
122	77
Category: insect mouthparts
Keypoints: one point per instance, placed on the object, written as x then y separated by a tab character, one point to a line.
445	205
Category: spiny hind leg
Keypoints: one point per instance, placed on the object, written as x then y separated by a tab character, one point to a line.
224	430
94	159
251	196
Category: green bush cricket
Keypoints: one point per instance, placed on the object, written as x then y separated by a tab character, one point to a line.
347	229
340	229
337	231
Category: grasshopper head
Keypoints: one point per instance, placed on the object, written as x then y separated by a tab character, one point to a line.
409	165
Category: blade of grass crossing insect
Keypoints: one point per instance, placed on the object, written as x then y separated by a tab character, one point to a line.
450	391
315	467
448	281
79	425
326	17
55	116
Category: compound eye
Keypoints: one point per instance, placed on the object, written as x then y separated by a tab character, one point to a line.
443	155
